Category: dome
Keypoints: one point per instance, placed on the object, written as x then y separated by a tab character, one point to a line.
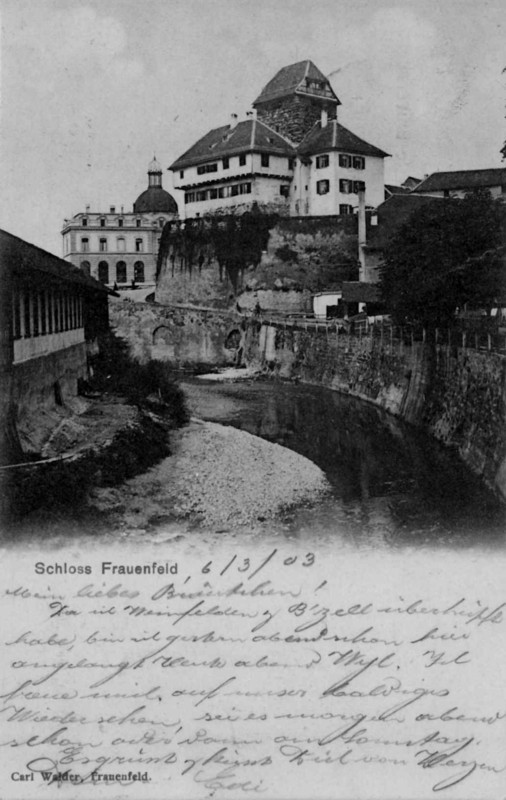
155	199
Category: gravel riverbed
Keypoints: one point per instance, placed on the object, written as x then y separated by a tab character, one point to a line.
218	477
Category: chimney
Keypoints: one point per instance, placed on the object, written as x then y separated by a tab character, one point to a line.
233	121
362	235
112	209
122	207
324	117
87	209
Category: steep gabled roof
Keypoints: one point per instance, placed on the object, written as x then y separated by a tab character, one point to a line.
248	136
390	189
289	79
21	257
336	137
463	179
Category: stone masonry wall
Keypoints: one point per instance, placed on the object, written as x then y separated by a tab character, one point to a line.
293	117
458	396
304	255
182	336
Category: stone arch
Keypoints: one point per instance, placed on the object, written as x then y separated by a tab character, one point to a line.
160	334
233	339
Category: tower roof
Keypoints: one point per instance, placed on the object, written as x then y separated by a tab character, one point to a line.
154	166
303	78
155	200
336	137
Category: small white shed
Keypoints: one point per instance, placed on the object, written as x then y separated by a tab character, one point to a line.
322	300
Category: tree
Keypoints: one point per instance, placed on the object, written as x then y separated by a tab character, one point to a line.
447	255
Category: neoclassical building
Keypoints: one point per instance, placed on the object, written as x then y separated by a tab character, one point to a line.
119	247
290	154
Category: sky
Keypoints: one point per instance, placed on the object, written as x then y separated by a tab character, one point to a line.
92	89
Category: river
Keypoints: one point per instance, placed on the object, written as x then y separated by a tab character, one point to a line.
392	485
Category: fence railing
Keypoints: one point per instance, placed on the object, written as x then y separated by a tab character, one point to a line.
493	341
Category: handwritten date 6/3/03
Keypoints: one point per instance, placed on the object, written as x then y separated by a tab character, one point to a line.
246	564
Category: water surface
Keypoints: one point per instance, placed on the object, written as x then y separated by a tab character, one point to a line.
391	484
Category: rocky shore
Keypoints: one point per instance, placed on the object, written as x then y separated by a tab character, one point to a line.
217	477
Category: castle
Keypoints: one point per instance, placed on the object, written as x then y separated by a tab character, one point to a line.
290	155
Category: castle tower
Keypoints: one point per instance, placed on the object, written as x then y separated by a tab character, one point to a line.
295	99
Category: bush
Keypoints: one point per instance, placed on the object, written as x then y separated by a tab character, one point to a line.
115	371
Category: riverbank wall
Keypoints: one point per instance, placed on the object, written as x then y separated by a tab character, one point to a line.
456	394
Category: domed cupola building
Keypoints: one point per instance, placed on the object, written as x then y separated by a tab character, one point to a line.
155	200
121	248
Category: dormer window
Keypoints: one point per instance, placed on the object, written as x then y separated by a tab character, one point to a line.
120	223
85	222
138	223
102	222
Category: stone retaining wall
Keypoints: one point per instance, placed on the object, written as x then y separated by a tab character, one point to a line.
457	395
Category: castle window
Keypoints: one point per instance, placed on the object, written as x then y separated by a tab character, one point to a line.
242	161
344	161
85	222
139	272
85	245
322	161
345	186
138	223
138	245
102	246
86	267
102	222
120	223
264	160
226	163
322	187
344	208
103	272
358	162
207	168
121	272
120	244
284	189
358	186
